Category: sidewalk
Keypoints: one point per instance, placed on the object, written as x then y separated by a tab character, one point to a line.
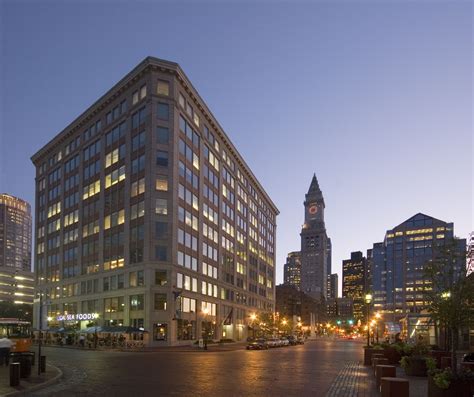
34	382
418	385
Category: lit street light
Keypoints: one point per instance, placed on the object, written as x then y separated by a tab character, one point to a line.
368	300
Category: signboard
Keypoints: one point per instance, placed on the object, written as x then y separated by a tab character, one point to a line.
77	317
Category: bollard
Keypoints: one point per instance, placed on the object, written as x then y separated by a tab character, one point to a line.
25	366
14	374
42	363
379	361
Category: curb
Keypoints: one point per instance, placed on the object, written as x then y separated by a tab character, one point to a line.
39	386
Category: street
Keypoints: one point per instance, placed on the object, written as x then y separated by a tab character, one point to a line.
304	370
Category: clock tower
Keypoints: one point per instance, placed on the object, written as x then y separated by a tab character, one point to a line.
314	244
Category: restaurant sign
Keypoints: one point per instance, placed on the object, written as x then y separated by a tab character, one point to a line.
77	317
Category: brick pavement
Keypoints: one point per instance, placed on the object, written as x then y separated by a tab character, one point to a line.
346	382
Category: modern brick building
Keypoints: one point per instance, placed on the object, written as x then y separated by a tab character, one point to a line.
148	216
16	277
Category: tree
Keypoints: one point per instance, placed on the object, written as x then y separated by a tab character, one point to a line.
449	291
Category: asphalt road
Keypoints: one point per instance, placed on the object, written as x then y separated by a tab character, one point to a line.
306	370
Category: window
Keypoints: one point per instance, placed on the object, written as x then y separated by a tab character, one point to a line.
136	302
163	88
161	207
115	177
138	164
161	229
137	188
135	279
161	278
162	158
135	98
182	101
162	183
162	135
138	141
161	252
160	301
143	91
163	111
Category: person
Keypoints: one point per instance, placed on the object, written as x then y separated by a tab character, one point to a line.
82	340
5	346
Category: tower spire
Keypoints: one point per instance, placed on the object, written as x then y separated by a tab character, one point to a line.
314	187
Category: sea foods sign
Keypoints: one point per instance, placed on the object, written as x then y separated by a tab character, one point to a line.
77	317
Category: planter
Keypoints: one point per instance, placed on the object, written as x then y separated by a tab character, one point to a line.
438	354
392	355
368	351
459	388
416	366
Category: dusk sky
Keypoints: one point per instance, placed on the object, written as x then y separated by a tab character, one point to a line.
376	99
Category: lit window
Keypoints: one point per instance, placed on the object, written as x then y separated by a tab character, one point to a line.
162	183
163	88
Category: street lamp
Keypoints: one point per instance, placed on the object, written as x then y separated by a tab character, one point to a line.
253	318
368	300
205	312
378	316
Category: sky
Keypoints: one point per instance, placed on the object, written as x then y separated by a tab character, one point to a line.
373	97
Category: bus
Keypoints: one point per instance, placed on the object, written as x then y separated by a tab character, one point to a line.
18	331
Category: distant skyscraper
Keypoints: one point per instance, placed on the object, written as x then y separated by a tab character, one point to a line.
292	269
314	244
354	275
16	278
397	268
333	288
470	253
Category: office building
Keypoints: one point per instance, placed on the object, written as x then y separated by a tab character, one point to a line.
314	244
292	270
333	287
16	277
398	262
148	216
354	282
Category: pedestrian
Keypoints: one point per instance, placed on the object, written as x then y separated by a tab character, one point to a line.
82	340
5	346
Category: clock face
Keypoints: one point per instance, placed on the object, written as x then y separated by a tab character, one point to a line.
313	209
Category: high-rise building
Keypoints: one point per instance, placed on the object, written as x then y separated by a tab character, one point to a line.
329	267
354	276
16	277
314	244
398	262
470	253
292	270
148	216
333	287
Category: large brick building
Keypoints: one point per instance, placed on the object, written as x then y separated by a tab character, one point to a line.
148	216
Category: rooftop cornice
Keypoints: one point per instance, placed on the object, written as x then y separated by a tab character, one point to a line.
150	63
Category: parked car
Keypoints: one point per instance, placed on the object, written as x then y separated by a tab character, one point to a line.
300	340
468	358
273	342
293	340
284	342
257	344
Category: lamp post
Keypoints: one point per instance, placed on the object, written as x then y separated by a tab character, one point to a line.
368	300
253	317
205	312
378	316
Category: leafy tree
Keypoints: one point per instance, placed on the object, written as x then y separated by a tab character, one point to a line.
450	292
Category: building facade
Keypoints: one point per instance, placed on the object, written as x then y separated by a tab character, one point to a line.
354	282
314	244
147	216
292	270
398	280
16	277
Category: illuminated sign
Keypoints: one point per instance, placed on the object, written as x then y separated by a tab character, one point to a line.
77	317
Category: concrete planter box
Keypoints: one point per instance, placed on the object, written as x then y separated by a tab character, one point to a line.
416	366
368	351
457	388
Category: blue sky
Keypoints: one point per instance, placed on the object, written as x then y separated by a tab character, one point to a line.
375	97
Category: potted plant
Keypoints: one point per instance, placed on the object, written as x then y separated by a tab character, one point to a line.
445	383
416	360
